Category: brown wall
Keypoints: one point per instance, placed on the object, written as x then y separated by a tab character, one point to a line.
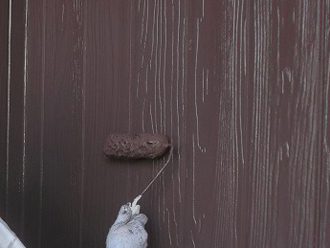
240	87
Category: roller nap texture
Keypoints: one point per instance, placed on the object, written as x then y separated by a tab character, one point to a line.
136	146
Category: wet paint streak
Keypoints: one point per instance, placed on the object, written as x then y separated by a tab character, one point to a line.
169	226
192	239
198	21
193	179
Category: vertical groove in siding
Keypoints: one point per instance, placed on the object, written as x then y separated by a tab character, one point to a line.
8	105
15	115
42	119
83	125
305	138
261	183
130	79
324	237
25	79
4	39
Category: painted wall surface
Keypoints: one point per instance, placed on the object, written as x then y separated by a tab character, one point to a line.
241	88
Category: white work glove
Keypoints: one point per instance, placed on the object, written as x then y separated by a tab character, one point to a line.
128	230
8	238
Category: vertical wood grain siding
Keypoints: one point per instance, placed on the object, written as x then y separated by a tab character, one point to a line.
240	87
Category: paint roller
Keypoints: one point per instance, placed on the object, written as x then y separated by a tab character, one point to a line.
138	146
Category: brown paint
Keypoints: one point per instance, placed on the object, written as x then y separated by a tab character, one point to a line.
241	88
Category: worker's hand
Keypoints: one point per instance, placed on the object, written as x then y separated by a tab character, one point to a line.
128	230
8	238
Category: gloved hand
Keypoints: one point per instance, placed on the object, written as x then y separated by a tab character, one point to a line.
128	230
8	238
